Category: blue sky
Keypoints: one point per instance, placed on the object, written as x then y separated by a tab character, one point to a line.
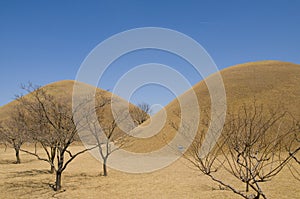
46	41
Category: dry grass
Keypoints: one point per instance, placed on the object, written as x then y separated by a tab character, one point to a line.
269	81
82	179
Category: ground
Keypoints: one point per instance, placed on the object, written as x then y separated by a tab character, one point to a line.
82	179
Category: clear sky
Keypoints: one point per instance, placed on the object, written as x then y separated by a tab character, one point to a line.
46	41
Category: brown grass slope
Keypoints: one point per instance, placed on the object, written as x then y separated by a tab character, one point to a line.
62	91
269	82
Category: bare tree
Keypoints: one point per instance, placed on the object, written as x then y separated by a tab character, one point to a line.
2	137
140	113
293	148
14	131
104	132
255	140
250	149
40	131
59	129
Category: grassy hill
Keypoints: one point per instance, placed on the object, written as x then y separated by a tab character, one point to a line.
62	92
269	82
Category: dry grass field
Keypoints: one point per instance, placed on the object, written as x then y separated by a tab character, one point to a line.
270	82
82	179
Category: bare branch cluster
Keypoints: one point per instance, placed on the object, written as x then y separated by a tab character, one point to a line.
50	123
46	120
140	113
252	147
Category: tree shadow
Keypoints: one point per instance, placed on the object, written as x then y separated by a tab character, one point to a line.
33	172
9	161
28	186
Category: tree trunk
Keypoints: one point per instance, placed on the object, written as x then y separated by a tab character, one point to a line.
53	152
104	167
18	160
59	171
52	169
58	181
257	197
247	186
